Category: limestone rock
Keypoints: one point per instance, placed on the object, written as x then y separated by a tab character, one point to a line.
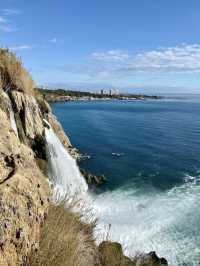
23	203
5	103
29	113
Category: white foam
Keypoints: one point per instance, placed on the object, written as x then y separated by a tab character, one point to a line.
167	222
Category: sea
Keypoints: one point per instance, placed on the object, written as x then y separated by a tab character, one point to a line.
149	152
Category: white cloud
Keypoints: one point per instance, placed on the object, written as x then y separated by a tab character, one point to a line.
112	55
54	40
10	12
3	20
6	25
21	47
180	58
183	58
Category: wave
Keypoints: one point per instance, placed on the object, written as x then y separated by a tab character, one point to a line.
167	222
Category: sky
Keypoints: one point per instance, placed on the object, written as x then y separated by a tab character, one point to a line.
150	46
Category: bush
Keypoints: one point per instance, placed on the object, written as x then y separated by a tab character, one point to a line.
13	75
65	240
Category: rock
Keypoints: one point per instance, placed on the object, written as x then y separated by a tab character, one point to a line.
111	254
38	145
43	105
5	103
92	180
30	115
20	189
150	259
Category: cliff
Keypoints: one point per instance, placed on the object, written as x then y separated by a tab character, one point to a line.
33	231
24	188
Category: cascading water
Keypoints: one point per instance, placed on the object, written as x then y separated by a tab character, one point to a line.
12	121
63	169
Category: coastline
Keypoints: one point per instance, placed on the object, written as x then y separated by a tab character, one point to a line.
59	95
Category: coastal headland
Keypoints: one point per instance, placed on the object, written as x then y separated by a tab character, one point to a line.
61	95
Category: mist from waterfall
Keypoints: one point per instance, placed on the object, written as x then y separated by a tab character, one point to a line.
12	121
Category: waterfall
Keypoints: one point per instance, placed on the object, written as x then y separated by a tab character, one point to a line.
63	169
12	121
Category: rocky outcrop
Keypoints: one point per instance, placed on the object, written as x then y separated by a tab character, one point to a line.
24	193
29	114
93	180
111	254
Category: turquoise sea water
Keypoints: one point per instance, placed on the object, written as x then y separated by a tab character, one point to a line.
153	188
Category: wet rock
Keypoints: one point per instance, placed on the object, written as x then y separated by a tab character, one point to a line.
93	180
150	259
38	145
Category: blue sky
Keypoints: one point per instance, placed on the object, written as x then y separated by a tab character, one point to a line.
137	45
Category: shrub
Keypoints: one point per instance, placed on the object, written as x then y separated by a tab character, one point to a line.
13	76
65	240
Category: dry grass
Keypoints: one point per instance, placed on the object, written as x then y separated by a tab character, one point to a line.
13	76
65	240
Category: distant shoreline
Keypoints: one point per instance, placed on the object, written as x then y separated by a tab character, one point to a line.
60	95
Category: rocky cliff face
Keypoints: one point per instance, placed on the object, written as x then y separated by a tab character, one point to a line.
24	189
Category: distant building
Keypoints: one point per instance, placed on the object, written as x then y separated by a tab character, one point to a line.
113	92
103	92
110	92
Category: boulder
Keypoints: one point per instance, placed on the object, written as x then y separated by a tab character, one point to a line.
111	254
